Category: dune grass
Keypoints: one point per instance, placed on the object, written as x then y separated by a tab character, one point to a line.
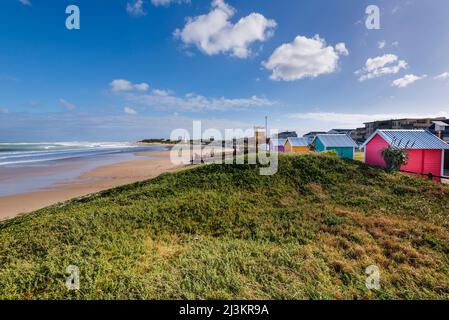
224	232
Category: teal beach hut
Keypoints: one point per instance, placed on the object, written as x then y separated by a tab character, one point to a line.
341	143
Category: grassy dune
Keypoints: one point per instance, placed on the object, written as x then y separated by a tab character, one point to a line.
223	231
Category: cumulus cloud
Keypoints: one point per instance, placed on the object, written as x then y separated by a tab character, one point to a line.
443	76
214	33
407	80
380	66
125	85
129	110
167	99
67	105
304	57
135	8
341	49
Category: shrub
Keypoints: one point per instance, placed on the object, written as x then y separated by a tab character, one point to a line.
330	152
394	158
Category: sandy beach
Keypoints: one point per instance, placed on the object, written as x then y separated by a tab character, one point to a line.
99	179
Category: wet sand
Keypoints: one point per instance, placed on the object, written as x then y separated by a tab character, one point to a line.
99	179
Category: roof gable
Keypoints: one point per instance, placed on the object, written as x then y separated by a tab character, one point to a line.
410	139
277	142
336	140
298	142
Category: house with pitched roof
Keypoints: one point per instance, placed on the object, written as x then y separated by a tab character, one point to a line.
426	152
341	143
277	145
298	145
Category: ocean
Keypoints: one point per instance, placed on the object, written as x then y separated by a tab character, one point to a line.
42	154
26	167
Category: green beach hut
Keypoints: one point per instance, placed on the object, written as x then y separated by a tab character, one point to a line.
341	143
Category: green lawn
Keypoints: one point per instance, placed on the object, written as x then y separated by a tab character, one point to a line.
223	231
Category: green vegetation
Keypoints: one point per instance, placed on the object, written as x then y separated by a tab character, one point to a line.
394	158
223	231
159	141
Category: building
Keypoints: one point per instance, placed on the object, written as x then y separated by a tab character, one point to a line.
426	152
397	124
440	129
360	135
341	143
311	135
299	145
287	134
350	132
277	145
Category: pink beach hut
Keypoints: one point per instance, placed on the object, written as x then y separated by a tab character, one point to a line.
426	152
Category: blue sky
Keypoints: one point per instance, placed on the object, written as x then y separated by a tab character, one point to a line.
139	69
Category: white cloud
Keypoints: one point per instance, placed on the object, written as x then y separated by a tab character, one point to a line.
25	2
125	85
167	99
194	102
213	33
135	8
4	110
166	3
304	57
381	44
129	110
66	104
380	66
341	49
443	76
407	80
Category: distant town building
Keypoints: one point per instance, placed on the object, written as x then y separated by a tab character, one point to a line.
287	134
311	135
440	128
341	131
396	124
349	132
360	135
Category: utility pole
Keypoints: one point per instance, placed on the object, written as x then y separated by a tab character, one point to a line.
266	132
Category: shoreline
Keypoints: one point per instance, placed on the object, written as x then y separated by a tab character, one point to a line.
99	179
